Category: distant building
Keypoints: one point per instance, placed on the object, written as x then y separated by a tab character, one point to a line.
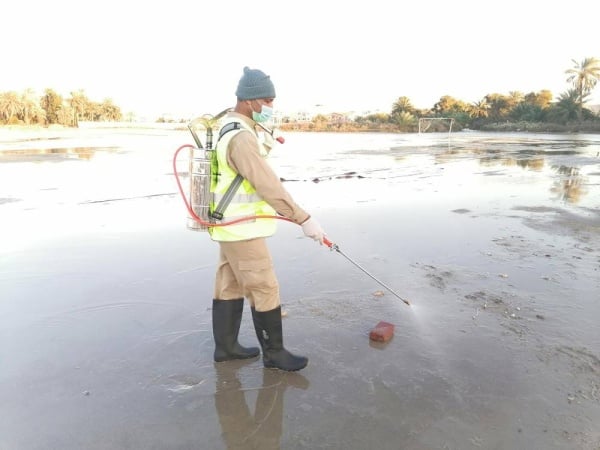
295	117
304	116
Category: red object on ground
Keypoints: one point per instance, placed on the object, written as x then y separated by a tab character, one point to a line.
382	332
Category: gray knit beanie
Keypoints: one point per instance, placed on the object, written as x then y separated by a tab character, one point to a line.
255	84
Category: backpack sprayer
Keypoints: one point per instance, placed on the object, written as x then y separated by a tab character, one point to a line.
203	172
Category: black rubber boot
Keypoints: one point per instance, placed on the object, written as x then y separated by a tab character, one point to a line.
270	335
226	319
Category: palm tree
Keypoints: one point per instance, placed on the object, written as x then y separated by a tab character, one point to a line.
527	112
79	102
51	102
65	115
479	109
10	105
448	105
515	98
540	99
566	108
499	106
29	105
401	105
584	77
404	119
109	111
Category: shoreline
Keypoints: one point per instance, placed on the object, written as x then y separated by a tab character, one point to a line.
10	133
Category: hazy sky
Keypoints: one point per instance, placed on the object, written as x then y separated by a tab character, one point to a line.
186	57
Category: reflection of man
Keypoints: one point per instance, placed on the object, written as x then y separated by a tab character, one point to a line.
242	430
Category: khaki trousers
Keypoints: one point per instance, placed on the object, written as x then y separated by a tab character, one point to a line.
245	269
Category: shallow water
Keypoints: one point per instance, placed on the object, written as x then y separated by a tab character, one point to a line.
106	339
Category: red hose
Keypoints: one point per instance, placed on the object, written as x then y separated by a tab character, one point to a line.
210	224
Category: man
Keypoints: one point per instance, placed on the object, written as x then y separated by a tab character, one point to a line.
245	267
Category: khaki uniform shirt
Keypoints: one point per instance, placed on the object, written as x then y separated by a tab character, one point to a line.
243	156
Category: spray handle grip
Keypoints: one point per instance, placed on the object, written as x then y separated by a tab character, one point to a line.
279	139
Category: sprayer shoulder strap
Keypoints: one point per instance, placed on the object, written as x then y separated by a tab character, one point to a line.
237	181
231	126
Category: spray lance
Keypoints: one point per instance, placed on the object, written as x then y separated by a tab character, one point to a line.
202	168
336	248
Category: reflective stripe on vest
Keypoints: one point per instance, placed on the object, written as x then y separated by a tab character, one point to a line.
237	198
245	203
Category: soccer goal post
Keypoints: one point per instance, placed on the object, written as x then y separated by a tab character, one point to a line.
435	124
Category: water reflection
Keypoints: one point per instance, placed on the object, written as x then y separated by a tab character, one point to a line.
529	164
532	156
49	154
240	429
569	186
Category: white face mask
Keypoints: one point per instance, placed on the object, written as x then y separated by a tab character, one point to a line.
265	114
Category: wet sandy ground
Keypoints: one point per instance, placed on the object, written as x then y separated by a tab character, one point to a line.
106	341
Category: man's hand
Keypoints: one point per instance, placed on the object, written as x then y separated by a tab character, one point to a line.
313	230
268	140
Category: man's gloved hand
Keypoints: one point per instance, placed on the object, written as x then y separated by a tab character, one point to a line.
313	230
268	140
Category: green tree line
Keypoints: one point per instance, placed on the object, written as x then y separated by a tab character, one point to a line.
51	108
495	111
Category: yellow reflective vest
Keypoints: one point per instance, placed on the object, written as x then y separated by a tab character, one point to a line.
245	203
